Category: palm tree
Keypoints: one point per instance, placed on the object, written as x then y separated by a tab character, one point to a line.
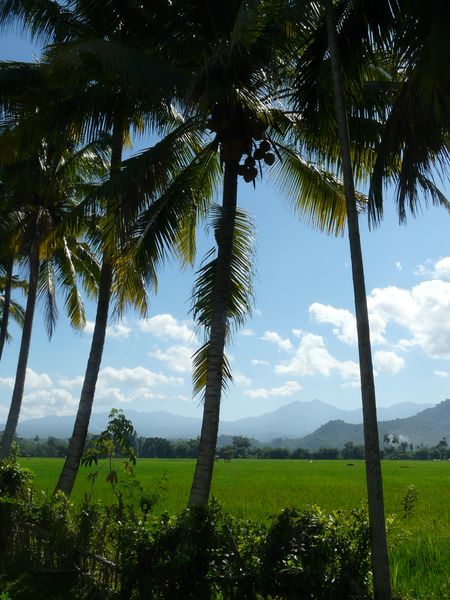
46	185
102	104
372	39
244	45
381	578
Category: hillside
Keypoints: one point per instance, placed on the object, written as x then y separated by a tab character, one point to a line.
427	428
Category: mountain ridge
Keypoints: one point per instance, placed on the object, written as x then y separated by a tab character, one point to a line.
294	420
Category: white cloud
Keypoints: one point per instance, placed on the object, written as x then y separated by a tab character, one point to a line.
388	362
177	358
182	397
257	362
89	327
398	266
33	380
137	376
118	330
442	374
75	382
241	380
288	389
247	332
7	382
42	402
442	268
424	311
312	357
344	321
165	326
274	338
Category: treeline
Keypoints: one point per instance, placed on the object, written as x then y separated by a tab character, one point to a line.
242	447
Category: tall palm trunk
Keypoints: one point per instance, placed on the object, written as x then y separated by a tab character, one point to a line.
77	441
6	305
19	385
201	484
380	562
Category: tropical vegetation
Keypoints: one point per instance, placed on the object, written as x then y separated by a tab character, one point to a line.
319	96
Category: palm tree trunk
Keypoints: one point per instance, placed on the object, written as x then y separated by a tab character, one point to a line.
201	484
77	442
19	385
6	305
380	562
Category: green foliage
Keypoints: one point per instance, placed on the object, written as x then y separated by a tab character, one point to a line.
115	441
15	480
409	501
311	554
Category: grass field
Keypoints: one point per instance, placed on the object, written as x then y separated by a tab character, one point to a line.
257	489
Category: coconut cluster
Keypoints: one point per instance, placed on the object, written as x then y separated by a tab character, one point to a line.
237	134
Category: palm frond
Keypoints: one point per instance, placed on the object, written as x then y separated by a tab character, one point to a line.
316	194
46	292
240	299
200	368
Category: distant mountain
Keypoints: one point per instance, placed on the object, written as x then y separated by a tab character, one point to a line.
293	420
151	424
427	428
300	418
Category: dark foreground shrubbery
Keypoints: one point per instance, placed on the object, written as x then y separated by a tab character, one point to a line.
124	551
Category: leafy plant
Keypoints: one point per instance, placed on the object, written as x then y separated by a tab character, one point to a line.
15	481
115	441
409	501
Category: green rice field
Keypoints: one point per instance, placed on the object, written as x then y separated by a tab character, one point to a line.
257	489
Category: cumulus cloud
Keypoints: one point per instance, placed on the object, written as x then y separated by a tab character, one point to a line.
343	320
74	382
442	268
33	380
275	338
167	327
177	358
422	311
398	266
288	389
312	358
388	362
137	376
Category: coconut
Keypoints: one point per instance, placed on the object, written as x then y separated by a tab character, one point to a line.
249	161
265	146
269	158
259	154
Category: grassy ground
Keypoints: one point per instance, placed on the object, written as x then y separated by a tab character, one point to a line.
257	489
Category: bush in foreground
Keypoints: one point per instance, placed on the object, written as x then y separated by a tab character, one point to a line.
124	551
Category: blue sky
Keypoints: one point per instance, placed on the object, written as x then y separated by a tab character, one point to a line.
300	344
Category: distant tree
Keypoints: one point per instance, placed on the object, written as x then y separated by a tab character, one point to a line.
241	445
326	453
301	453
352	451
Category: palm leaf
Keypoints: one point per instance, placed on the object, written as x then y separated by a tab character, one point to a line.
240	297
